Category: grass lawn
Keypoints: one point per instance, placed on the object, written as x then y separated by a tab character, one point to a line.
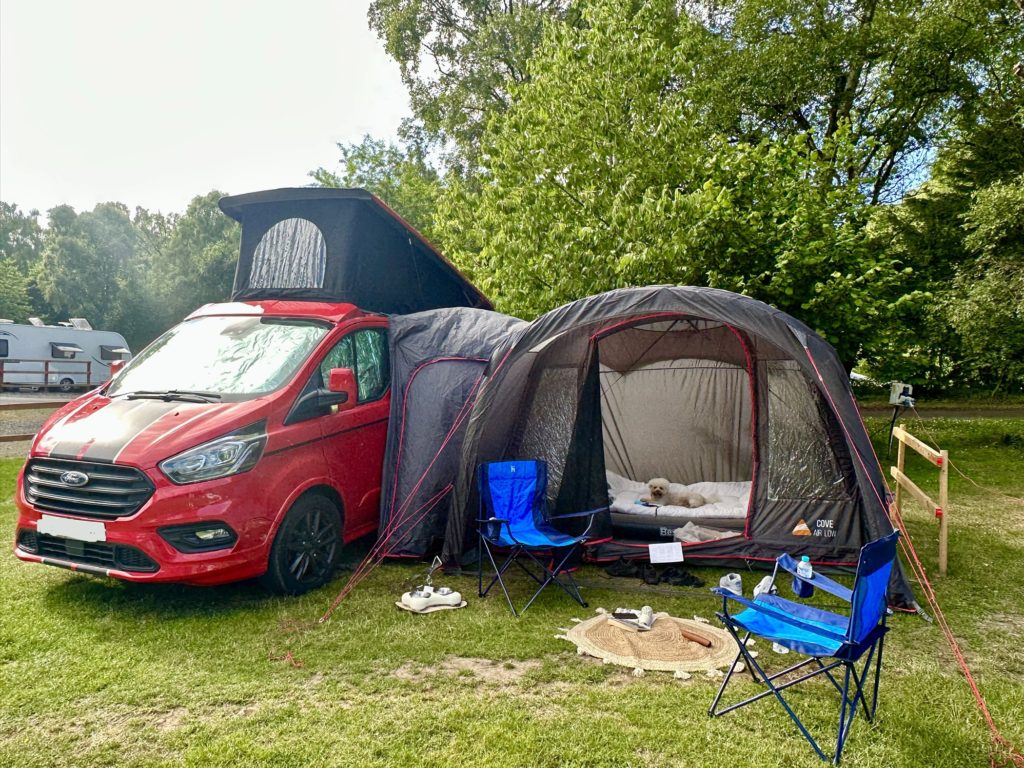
96	673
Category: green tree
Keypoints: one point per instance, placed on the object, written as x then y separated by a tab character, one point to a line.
85	260
928	231
14	301
191	259
986	306
21	236
604	172
459	58
400	176
896	75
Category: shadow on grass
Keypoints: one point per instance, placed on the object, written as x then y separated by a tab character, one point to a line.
91	596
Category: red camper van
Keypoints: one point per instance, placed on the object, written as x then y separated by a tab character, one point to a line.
247	440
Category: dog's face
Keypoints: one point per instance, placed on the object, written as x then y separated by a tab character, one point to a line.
658	487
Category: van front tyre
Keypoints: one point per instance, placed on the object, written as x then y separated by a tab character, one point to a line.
306	548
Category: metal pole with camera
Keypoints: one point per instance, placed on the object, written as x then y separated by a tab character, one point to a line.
900	399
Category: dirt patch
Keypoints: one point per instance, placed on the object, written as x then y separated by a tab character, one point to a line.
171	720
487	670
1004	623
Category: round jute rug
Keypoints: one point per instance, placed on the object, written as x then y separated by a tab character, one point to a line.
662	648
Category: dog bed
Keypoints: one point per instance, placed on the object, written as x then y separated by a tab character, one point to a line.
724	500
726	509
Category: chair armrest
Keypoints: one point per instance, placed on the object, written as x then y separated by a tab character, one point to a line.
500	522
788	564
589	513
775	613
577	514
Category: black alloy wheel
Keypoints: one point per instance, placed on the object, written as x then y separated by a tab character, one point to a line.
306	548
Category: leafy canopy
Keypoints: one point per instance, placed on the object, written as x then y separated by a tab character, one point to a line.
606	171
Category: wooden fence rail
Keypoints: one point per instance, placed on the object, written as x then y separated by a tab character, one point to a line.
939	459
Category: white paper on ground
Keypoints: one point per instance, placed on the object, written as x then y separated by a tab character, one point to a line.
669	552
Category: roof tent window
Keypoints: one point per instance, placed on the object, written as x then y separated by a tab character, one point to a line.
291	254
64	351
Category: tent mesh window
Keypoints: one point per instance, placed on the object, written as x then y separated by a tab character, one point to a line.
291	254
801	461
685	419
675	402
548	426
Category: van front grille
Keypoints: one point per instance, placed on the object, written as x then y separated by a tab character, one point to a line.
97	553
86	488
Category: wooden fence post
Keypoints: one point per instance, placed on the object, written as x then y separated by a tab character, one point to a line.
901	459
944	507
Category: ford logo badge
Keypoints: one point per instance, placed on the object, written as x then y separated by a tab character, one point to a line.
74	478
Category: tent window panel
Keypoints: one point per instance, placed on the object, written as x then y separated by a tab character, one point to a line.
292	254
687	420
548	428
801	461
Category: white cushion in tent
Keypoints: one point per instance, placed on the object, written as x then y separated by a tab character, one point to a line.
727	499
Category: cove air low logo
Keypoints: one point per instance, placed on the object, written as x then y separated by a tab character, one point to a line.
74	478
824	528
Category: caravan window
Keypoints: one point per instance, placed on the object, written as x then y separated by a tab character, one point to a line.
291	254
114	353
64	350
3	348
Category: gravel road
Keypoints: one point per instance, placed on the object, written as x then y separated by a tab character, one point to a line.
24	422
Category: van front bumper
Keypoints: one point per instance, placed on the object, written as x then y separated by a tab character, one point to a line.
148	547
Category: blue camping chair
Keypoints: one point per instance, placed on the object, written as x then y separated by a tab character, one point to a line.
819	634
513	518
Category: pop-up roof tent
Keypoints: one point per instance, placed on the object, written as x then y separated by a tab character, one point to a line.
696	385
340	245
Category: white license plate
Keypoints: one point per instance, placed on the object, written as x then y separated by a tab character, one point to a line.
81	530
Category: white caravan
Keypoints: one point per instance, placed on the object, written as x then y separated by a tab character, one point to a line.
66	356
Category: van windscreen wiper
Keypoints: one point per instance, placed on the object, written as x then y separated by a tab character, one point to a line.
170	395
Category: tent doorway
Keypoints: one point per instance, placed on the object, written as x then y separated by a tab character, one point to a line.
677	402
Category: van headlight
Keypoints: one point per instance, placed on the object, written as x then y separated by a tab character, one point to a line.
228	455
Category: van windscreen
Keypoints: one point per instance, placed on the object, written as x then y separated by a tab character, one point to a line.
231	356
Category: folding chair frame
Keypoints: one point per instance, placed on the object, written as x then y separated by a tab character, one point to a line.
848	704
547	575
540	556
869	647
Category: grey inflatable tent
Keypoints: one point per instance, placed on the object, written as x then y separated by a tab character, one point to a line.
438	359
692	384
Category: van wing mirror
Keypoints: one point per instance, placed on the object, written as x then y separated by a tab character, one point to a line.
342	381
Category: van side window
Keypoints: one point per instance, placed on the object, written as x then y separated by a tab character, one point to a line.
373	370
339	357
4	349
366	353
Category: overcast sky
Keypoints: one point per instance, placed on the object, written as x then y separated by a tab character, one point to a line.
151	103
